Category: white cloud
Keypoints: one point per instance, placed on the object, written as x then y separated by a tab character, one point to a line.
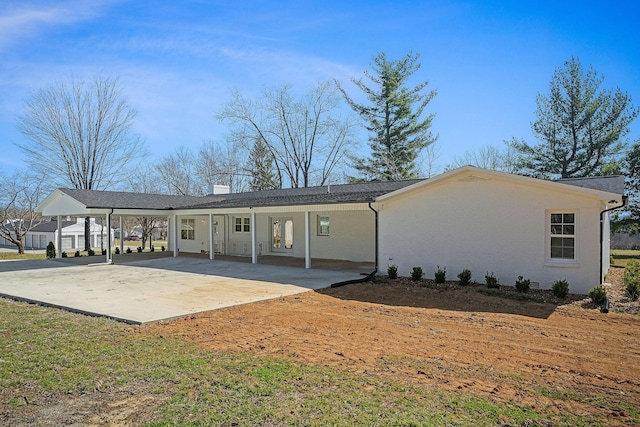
26	19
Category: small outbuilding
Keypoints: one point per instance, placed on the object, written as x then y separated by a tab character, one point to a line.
72	235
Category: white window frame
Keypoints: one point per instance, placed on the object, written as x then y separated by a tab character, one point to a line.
320	225
559	230
188	229
244	222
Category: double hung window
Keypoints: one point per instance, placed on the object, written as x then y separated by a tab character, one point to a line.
188	229
242	224
563	235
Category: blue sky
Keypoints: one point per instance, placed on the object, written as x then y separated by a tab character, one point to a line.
178	61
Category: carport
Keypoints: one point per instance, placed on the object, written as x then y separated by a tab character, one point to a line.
156	288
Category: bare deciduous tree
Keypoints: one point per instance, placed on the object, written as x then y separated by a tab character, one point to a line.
305	136
146	181
81	135
490	157
224	164
427	160
19	197
178	173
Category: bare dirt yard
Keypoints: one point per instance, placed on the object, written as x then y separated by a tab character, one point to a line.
553	356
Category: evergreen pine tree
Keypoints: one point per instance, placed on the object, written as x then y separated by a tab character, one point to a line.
393	116
580	126
262	168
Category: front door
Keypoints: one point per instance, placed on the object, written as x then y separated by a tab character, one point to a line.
282	234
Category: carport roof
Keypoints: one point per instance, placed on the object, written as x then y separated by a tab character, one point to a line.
328	194
123	200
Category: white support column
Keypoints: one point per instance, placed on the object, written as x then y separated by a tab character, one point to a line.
307	239
211	237
254	239
176	235
121	237
109	260
59	238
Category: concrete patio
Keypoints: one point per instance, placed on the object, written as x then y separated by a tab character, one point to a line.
156	288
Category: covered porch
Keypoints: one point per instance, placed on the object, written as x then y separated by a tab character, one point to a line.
301	235
330	235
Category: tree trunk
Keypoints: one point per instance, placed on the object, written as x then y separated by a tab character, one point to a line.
20	245
87	233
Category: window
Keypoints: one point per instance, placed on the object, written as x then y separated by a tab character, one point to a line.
188	229
563	236
323	226
242	224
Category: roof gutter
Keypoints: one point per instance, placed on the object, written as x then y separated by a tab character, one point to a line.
624	202
370	276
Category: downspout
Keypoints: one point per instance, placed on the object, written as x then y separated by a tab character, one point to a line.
375	212
624	202
370	276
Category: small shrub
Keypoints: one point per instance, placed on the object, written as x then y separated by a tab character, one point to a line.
139	249
104	252
465	277
77	254
117	250
392	271
491	280
64	255
633	291
162	248
129	250
598	295
632	279
612	260
416	273
91	252
560	288
51	250
522	285
440	275
152	249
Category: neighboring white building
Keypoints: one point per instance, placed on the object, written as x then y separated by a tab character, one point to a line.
467	218
72	235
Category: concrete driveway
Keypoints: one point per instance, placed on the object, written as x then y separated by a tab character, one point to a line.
156	289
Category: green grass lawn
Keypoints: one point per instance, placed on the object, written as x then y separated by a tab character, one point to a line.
621	256
13	255
55	353
16	255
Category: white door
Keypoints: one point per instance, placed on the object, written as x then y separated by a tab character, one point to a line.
282	234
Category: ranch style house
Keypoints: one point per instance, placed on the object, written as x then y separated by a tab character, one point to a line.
466	218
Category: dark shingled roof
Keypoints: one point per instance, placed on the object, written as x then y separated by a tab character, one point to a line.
51	226
123	200
341	193
329	194
611	184
45	226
